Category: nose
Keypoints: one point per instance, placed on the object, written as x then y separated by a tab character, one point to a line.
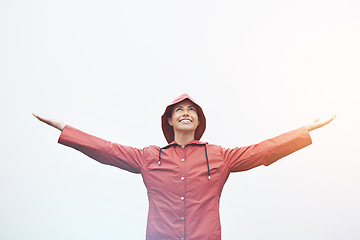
186	112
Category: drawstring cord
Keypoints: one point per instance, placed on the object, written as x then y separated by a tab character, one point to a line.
207	162
160	155
206	155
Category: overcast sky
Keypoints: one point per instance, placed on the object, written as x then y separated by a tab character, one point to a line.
258	68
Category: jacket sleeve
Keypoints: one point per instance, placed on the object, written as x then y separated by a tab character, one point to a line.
266	152
103	151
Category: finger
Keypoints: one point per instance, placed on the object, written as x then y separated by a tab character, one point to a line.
330	120
323	123
41	118
37	116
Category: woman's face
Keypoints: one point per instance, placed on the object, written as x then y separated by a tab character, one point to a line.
184	117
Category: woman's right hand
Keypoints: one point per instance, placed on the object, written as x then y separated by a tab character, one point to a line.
52	122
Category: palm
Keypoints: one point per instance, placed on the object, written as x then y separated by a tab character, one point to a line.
318	124
51	121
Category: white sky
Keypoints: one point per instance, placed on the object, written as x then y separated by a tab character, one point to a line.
258	69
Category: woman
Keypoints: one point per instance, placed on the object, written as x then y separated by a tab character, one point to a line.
185	179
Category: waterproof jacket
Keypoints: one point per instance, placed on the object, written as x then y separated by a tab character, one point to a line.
183	200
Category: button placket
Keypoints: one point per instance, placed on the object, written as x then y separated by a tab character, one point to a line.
182	196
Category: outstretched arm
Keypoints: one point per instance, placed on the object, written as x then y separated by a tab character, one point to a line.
103	151
52	122
316	123
271	150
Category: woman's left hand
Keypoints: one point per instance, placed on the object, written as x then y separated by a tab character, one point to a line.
318	124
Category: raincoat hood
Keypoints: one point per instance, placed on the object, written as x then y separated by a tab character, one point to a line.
168	130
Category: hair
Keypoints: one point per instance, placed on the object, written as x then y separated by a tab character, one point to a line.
169	113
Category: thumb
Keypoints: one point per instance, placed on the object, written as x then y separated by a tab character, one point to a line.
316	120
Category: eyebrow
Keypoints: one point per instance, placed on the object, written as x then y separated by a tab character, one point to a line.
180	106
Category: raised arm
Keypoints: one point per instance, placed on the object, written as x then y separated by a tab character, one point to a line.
270	150
101	150
52	122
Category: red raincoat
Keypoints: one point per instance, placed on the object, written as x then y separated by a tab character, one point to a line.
183	201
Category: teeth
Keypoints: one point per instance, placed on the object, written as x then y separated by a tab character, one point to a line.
186	121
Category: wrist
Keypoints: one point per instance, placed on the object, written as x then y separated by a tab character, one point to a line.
308	128
63	127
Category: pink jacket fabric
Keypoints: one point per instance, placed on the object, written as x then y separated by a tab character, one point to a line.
183	202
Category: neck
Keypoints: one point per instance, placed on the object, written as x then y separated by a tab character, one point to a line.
184	138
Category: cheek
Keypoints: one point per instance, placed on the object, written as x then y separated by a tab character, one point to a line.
170	121
173	119
196	118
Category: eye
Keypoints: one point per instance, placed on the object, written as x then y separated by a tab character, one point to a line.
192	109
178	109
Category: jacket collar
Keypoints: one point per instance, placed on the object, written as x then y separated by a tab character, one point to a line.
193	142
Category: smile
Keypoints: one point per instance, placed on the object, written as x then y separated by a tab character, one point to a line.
185	121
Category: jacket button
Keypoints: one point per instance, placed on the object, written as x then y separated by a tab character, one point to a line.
181	238
182	198
182	159
182	178
182	218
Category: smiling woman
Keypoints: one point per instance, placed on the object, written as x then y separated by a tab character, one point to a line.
170	113
184	120
183	198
